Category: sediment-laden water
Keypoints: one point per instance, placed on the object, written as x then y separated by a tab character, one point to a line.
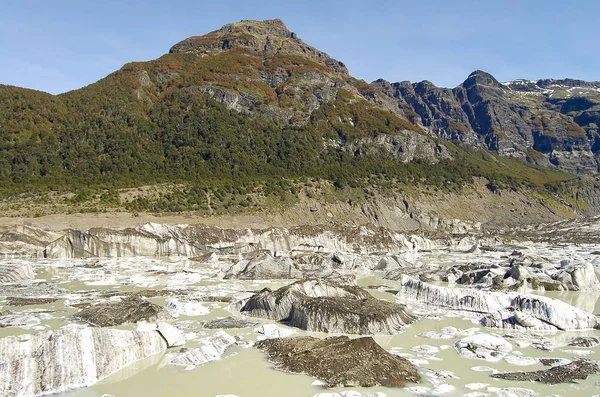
245	372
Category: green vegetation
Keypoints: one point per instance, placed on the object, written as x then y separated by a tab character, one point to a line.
150	124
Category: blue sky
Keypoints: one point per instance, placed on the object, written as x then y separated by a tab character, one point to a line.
60	45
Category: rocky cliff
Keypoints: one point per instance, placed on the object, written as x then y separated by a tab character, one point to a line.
545	122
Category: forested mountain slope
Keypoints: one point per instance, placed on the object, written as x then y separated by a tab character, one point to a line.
250	110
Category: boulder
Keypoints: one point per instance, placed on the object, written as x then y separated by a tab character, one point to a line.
340	361
16	273
57	361
500	309
324	306
129	310
567	373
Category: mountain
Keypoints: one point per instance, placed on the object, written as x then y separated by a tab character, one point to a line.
250	111
545	122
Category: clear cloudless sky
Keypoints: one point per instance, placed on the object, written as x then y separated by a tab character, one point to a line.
61	45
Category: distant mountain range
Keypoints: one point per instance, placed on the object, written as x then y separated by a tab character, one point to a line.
546	122
251	104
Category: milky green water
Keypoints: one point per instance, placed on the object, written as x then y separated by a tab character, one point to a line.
244	371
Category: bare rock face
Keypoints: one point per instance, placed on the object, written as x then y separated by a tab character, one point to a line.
483	112
579	369
129	310
501	309
340	361
16	273
323	306
57	361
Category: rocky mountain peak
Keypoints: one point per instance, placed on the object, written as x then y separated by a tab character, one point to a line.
570	83
265	38
480	77
270	27
424	86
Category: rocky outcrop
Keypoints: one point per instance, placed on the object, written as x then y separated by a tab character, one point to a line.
16	273
588	189
576	370
404	147
130	310
500	309
57	361
323	306
264	37
340	361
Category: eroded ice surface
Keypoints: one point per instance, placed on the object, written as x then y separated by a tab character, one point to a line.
198	294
